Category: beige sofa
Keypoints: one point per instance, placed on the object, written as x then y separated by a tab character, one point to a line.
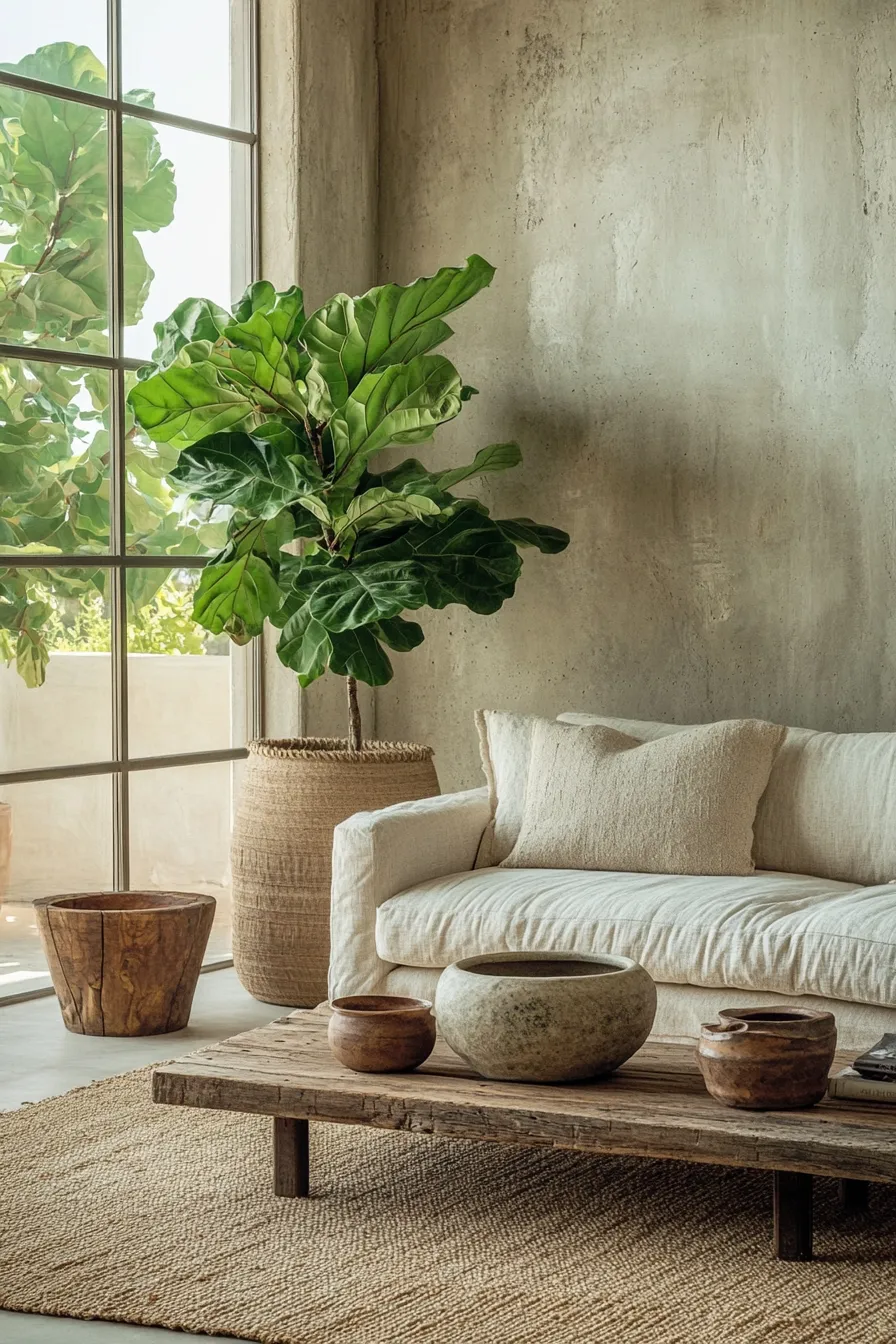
815	925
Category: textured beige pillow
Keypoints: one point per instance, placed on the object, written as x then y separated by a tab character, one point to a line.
505	743
684	803
830	807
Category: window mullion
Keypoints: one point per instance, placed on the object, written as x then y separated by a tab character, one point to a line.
117	575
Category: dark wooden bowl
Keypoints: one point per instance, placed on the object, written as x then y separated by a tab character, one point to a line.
767	1059
381	1033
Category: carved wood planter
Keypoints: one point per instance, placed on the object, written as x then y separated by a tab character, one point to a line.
125	963
294	793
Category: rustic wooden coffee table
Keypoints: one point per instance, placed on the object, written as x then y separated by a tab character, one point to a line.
655	1106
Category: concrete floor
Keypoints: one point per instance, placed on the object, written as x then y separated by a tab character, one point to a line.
39	1058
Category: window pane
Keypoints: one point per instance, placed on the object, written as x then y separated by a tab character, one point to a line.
55	839
207	86
55	668
204	251
186	690
54	207
61	837
180	834
54	458
36	40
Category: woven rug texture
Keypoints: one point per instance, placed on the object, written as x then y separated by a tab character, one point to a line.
119	1209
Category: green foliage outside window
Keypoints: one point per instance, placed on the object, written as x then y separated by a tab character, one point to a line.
55	419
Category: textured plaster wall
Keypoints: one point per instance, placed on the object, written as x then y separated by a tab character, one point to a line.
318	217
691	333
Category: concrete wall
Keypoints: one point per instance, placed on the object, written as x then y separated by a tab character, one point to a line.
691	333
319	209
179	818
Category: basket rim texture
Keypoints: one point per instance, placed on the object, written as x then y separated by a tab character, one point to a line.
325	749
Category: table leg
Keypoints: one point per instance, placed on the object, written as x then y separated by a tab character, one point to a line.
792	1194
853	1197
290	1156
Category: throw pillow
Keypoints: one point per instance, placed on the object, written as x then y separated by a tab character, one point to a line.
830	805
684	803
505	742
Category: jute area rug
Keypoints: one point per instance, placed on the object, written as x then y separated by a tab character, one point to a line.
116	1208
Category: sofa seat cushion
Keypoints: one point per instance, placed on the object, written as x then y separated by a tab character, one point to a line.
778	932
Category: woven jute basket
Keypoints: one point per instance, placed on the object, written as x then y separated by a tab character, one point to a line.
294	793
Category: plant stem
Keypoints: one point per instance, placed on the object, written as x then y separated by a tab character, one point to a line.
355	740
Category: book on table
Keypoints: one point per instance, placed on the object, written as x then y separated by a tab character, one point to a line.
850	1085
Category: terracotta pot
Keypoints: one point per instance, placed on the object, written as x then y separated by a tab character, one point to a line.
764	1059
381	1033
294	793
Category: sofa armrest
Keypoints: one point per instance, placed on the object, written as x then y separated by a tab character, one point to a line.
378	854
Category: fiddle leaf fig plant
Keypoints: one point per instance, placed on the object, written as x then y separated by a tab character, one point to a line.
282	417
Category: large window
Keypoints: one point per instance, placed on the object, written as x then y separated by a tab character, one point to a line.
127	182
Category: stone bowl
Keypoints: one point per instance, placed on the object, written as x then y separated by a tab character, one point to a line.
545	1017
381	1033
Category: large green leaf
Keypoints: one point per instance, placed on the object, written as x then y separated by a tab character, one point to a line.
249	472
411	475
461	556
525	532
359	595
400	635
188	402
285	309
238	590
46	138
358	653
32	657
63	63
304	646
300	576
378	507
388	325
496	457
192	320
403	404
259	354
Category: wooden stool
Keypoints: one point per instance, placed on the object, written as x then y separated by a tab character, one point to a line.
125	963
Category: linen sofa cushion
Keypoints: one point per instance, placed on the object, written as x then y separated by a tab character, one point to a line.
830	805
685	803
505	741
775	932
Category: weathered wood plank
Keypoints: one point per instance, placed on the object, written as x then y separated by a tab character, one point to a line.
655	1106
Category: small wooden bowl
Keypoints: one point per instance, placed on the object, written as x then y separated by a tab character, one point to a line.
381	1033
768	1059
